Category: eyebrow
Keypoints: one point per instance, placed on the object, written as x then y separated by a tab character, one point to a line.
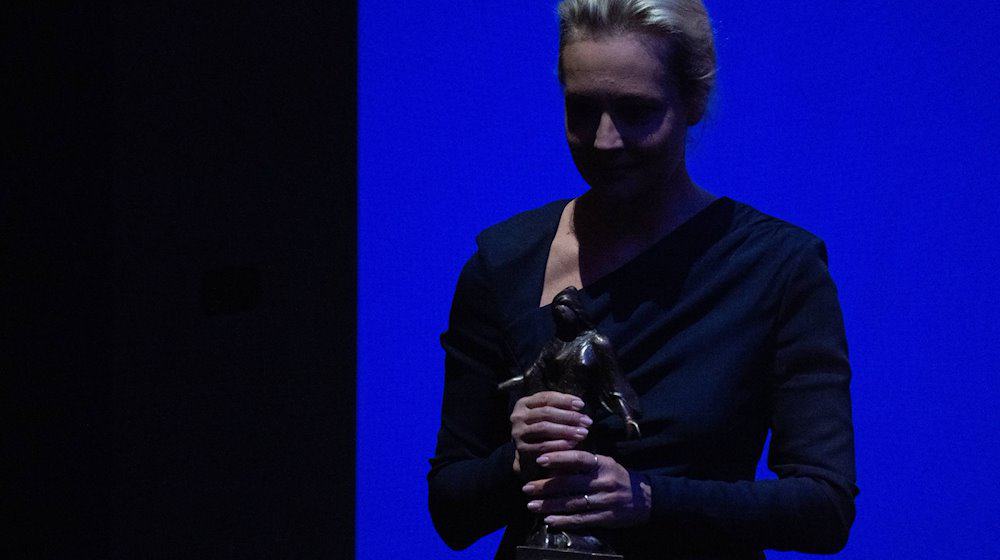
630	97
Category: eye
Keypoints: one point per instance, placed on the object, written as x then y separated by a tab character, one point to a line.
582	116
581	108
635	112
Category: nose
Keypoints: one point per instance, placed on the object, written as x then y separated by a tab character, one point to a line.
607	137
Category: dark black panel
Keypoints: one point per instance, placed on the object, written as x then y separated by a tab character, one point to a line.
186	251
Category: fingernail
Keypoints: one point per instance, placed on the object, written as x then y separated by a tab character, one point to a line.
550	519
535	504
586	421
543	460
581	432
528	488
577	403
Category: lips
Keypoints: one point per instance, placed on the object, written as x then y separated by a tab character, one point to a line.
615	168
599	166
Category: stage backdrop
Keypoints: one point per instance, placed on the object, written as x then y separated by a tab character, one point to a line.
872	124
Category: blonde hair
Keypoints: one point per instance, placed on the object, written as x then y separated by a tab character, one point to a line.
683	24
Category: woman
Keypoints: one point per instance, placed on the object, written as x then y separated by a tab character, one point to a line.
725	321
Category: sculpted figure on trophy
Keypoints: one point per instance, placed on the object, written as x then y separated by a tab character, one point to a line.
577	361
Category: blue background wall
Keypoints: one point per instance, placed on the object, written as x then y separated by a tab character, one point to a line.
873	124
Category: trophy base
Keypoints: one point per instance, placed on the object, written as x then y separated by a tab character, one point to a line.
538	553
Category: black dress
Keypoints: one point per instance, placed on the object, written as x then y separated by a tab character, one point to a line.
727	327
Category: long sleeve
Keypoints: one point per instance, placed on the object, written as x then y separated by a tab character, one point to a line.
472	487
810	507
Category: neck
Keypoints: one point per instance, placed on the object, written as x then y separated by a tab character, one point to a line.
647	217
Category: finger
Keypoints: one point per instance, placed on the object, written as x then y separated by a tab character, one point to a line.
587	519
572	485
565	504
557	415
555	399
548	446
545	431
571	461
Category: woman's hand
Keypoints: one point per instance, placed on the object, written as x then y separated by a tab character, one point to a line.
589	491
546	421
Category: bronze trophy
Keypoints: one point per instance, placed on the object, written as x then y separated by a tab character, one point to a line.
578	361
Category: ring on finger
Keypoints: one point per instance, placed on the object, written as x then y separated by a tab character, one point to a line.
586	499
597	462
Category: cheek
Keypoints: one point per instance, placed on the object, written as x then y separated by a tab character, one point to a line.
667	137
581	146
573	138
580	130
654	134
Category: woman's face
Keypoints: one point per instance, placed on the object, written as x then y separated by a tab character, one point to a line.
625	121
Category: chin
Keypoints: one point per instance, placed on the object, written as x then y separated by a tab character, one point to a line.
618	192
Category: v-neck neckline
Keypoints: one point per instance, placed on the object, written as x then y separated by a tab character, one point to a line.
588	289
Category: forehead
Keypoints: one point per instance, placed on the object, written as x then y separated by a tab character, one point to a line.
630	63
